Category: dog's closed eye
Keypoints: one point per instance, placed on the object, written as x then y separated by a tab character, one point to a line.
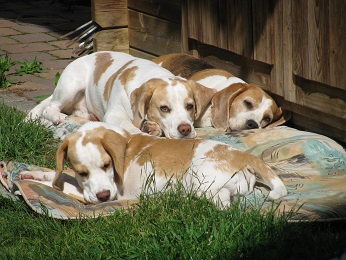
83	174
248	104
106	166
189	106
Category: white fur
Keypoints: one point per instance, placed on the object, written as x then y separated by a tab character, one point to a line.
239	120
76	94
206	172
220	184
219	82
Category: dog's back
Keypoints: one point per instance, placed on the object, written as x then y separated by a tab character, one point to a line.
182	64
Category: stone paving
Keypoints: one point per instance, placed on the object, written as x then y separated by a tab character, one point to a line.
30	29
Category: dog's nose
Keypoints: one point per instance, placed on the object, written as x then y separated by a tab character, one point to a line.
251	124
184	129
103	195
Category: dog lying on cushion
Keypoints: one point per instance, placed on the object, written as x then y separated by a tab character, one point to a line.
110	163
132	93
236	105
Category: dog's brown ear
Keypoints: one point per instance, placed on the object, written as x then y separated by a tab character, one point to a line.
140	98
115	146
60	157
281	116
202	96
221	103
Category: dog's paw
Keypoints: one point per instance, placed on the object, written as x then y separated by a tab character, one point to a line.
151	128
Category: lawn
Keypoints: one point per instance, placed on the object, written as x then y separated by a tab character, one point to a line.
173	225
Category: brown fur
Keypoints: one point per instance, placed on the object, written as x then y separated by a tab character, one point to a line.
196	69
182	64
103	61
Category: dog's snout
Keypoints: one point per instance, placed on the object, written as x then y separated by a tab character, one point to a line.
184	129
103	195
251	124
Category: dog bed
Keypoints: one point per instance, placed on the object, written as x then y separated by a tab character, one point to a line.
312	166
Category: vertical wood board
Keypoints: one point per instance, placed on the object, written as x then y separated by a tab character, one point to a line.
154	35
109	13
164	9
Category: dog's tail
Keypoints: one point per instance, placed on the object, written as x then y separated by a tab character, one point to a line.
265	176
37	111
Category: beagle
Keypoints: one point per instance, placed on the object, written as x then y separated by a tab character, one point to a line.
132	93
236	104
111	163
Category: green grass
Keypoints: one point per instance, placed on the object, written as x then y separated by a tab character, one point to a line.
5	65
25	67
171	225
28	142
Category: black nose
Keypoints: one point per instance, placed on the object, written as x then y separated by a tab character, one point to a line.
103	195
251	124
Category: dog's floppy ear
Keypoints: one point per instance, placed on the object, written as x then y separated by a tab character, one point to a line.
60	157
115	146
281	116
221	102
202	96
140	98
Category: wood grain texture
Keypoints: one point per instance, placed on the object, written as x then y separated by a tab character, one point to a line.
153	35
109	13
112	40
164	9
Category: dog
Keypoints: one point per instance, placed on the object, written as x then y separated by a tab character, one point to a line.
130	92
111	163
236	104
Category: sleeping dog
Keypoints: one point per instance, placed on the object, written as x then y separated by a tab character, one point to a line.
236	105
132	93
111	163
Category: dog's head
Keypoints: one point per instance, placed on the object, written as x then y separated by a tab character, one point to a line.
173	103
97	157
243	106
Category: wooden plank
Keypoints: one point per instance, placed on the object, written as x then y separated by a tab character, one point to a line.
184	28
321	97
141	54
300	39
239	27
318	41
164	9
262	30
288	59
313	120
153	35
109	13
112	40
337	39
207	22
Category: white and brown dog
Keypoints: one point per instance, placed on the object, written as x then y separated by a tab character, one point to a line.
236	105
132	93
111	163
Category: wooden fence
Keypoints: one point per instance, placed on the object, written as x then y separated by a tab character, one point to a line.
296	50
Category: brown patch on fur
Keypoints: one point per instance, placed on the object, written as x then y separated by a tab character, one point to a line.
103	61
182	64
210	72
141	96
166	155
109	86
127	75
225	163
110	81
241	161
